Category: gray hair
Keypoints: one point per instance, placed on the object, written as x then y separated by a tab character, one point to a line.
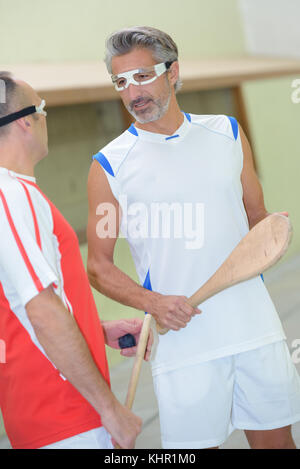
123	41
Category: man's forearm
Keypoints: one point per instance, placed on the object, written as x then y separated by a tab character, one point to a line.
65	346
112	282
256	218
170	311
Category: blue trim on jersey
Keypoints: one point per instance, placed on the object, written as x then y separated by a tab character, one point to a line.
147	282
133	130
262	277
173	136
235	127
188	117
104	162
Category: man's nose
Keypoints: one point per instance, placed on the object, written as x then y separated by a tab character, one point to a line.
133	91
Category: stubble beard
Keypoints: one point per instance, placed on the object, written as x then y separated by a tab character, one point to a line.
157	109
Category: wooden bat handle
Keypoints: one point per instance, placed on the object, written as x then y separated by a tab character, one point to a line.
140	354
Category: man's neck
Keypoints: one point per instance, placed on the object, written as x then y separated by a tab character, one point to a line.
12	158
168	124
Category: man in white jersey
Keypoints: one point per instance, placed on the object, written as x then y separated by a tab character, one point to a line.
228	367
54	383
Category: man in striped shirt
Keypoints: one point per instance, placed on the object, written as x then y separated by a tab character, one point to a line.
54	384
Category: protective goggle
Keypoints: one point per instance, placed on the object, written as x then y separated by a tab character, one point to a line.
23	113
142	76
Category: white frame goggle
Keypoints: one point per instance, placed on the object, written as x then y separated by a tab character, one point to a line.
129	76
40	109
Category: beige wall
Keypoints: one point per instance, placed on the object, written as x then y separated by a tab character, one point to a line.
275	121
70	30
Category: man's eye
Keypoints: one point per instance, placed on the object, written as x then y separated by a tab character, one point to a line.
143	76
121	82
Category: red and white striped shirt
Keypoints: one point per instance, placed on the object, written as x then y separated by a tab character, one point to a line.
39	248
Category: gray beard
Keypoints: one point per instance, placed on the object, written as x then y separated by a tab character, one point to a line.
158	112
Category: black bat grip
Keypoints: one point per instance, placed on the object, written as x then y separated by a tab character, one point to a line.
127	341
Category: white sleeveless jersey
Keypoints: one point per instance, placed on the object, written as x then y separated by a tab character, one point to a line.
183	214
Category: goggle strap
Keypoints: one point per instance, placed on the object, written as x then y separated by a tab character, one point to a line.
160	69
17	115
168	64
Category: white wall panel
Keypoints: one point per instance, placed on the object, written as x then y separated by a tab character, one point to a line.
272	27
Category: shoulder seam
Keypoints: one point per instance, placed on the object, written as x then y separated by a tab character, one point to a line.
126	155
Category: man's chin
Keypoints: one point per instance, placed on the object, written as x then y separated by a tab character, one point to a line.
43	153
145	117
146	121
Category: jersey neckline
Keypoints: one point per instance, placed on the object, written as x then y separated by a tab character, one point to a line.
13	174
162	138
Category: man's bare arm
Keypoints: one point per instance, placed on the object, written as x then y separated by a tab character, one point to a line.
170	311
60	337
104	276
253	197
252	191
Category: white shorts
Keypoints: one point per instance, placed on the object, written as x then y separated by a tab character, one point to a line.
98	438
201	405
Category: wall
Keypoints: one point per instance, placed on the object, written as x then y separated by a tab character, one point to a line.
271	28
280	19
275	120
70	30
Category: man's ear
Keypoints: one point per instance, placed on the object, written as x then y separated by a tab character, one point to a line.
174	72
24	123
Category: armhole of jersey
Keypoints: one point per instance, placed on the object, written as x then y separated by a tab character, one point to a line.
109	173
237	138
234	126
103	161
